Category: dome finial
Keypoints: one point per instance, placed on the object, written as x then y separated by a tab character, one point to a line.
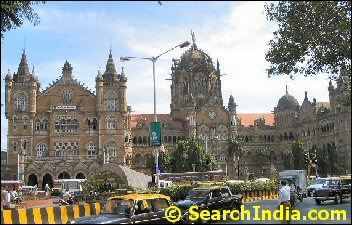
193	39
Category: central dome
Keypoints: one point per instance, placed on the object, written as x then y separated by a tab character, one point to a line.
193	57
287	102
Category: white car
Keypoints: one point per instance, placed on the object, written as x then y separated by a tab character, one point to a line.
319	182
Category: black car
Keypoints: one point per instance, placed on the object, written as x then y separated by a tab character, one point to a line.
334	189
209	198
131	208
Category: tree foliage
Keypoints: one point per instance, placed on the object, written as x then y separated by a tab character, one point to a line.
329	161
13	13
186	154
262	155
288	160
298	152
182	158
235	147
313	37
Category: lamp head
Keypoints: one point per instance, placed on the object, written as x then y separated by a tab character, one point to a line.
184	44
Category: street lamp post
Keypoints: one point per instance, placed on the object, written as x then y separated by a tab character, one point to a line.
154	59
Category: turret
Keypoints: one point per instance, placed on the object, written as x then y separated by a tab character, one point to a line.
123	99
99	91
8	89
33	92
232	112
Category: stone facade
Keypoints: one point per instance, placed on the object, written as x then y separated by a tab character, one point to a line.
70	131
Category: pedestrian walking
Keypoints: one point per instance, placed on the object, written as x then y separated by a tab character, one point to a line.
47	191
284	202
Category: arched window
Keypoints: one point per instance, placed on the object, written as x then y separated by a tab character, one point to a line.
25	121
45	124
41	150
15	122
112	123
25	144
111	101
91	150
21	103
37	124
14	146
112	149
95	124
185	88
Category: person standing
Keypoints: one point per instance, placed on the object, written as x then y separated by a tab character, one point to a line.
47	191
284	201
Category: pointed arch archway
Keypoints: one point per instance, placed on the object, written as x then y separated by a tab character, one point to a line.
80	176
64	175
32	180
47	179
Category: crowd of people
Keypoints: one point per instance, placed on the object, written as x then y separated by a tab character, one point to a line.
11	196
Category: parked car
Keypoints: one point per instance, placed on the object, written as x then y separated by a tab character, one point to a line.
131	208
210	198
319	182
335	189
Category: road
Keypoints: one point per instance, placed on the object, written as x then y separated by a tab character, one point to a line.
304	207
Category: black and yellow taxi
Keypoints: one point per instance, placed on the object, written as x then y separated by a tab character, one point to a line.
130	208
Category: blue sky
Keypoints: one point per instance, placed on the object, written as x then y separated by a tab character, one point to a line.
235	33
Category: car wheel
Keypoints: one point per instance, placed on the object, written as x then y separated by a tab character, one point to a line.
338	199
317	201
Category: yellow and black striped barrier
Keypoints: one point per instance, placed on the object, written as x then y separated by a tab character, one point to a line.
49	215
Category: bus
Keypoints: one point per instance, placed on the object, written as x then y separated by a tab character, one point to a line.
216	175
74	186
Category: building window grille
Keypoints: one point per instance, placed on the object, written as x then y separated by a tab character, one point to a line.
41	150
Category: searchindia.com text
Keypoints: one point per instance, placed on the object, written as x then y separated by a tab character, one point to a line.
173	214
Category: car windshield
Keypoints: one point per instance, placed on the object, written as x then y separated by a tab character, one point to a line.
320	181
198	194
117	206
332	182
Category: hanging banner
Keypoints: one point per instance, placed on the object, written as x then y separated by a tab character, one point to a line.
155	134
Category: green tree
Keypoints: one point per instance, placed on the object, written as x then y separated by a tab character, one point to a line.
313	37
298	152
262	155
235	149
329	161
186	154
288	160
13	13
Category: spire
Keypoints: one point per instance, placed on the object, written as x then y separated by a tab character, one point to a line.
217	66
23	69
193	40
305	96
122	72
8	75
110	65
286	90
